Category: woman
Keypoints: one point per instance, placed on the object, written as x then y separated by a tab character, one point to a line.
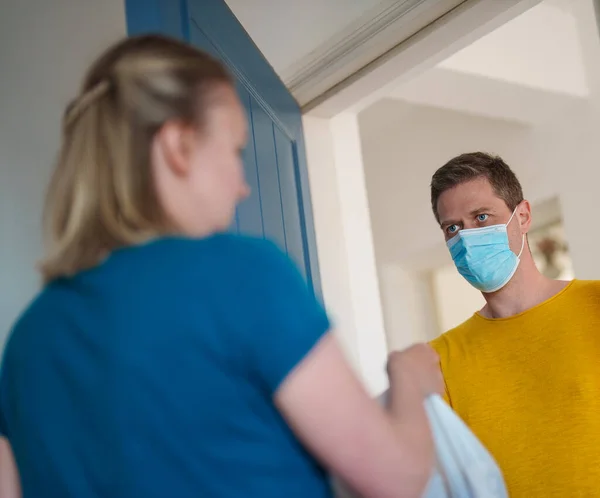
164	358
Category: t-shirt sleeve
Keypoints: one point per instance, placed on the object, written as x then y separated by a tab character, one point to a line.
287	319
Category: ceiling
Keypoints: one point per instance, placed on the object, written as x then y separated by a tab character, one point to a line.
508	74
283	43
315	45
527	70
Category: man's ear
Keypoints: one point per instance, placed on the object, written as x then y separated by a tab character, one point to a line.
524	214
176	140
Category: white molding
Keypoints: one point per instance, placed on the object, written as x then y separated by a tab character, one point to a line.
421	51
364	40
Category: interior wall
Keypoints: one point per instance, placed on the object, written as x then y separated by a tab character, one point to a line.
45	48
455	300
403	145
538	49
410	313
345	245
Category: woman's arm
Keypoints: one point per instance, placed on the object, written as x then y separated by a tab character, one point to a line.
289	348
379	453
9	476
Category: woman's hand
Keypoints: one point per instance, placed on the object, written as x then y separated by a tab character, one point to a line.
414	374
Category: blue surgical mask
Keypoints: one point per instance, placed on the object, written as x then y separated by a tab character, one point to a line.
483	256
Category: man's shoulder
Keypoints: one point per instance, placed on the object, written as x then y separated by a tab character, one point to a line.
580	298
586	286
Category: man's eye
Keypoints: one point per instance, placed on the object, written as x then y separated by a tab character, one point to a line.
482	217
452	229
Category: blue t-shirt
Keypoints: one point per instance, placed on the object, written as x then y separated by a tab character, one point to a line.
153	375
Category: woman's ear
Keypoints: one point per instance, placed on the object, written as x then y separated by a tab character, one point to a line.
524	214
175	141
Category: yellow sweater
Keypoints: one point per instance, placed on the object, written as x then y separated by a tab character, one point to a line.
529	387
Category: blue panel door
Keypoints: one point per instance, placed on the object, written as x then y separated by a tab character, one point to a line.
268	174
249	216
275	164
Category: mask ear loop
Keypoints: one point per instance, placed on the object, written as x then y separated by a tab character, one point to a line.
511	217
523	237
522	247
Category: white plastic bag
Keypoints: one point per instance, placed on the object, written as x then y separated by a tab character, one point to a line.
465	469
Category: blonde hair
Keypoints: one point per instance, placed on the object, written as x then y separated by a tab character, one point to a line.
101	195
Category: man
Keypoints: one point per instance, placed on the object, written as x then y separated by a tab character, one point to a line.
524	371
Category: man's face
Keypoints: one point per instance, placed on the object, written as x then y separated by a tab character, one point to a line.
474	204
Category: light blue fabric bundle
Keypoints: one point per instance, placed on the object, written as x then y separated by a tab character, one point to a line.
465	469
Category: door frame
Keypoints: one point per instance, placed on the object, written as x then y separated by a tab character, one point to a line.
456	29
353	278
244	60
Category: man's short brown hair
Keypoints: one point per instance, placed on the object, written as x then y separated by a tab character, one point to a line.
470	166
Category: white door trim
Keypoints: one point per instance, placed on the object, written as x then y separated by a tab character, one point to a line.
428	46
373	34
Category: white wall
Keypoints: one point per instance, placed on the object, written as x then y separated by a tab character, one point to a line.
403	144
549	137
576	149
410	312
529	70
413	313
538	49
345	244
553	147
44	49
455	300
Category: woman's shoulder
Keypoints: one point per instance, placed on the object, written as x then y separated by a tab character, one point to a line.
221	246
222	252
240	253
254	265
